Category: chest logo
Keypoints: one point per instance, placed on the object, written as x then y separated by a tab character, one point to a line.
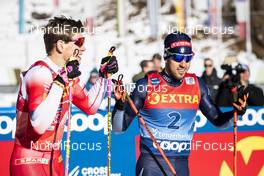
155	81
189	81
155	98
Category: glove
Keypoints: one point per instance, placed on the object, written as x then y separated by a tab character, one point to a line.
69	72
241	104
73	68
109	65
120	94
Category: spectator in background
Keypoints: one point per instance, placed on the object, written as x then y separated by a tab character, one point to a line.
94	75
210	77
156	59
256	97
146	66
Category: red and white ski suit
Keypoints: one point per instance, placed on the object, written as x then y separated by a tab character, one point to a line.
42	110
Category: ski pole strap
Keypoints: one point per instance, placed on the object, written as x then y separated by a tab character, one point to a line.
111	50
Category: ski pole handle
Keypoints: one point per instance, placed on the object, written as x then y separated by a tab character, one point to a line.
111	51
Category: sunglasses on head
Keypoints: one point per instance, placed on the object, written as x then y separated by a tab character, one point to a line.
79	41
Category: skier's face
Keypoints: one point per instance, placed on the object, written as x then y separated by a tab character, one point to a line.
76	43
177	69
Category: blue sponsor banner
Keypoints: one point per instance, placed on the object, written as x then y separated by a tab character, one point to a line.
88	143
89	139
252	120
90	134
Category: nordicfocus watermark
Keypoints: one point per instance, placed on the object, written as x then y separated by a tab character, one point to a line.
74	146
65	29
179	147
197	29
141	88
166	145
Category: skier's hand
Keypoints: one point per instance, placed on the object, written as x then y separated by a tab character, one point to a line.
72	68
108	66
119	92
241	104
70	71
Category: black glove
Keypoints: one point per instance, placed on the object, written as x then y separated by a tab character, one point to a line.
70	72
109	65
73	69
240	105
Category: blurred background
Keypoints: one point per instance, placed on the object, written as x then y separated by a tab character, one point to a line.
228	41
225	31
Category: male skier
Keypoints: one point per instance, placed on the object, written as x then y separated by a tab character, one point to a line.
43	99
168	102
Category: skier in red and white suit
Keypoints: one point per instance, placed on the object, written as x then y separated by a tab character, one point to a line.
43	100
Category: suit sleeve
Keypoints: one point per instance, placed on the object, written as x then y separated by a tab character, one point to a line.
121	119
210	110
42	96
89	101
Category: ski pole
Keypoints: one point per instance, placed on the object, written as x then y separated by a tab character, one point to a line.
68	148
109	115
235	144
235	94
132	105
69	91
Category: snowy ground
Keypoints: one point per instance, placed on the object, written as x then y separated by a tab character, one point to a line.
20	51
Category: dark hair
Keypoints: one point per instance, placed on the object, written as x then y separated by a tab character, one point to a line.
60	28
144	63
208	59
156	56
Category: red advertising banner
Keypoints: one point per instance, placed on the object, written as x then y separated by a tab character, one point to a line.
214	154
